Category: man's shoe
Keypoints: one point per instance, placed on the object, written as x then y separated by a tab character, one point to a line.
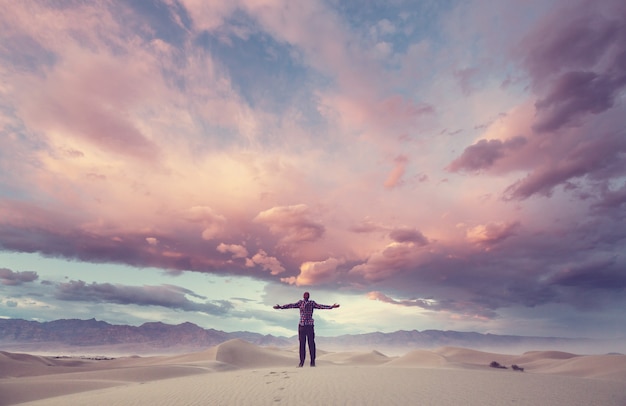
313	363
300	365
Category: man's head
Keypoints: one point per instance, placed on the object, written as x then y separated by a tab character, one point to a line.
306	296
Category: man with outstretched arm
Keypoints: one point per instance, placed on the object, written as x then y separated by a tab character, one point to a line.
305	327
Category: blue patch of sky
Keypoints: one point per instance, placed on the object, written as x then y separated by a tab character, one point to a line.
269	75
264	72
163	19
402	25
412	21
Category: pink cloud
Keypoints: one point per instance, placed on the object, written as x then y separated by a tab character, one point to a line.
367	226
267	262
237	251
391	260
88	97
574	94
465	78
492	233
551	160
408	235
316	273
379	117
595	157
395	177
67	234
578	36
211	222
485	153
292	223
423	303
53	28
576	60
571	131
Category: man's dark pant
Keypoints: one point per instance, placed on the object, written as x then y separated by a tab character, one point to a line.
306	333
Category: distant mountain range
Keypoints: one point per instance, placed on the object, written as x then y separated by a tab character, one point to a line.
150	338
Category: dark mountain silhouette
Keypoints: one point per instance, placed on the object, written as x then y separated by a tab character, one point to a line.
156	337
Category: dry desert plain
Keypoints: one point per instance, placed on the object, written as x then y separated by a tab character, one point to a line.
239	373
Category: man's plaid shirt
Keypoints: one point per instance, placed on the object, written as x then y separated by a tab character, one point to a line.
306	310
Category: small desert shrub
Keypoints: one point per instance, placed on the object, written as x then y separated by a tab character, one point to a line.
495	364
516	368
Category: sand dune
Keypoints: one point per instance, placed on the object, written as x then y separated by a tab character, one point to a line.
593	366
237	372
17	365
471	357
355	358
419	358
245	355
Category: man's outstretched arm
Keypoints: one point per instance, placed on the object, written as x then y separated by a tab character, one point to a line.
288	306
321	306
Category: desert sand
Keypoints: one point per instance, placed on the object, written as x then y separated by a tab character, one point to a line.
239	373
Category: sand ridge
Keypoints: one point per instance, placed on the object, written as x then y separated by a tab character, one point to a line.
237	372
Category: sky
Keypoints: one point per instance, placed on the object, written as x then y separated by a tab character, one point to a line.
450	165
